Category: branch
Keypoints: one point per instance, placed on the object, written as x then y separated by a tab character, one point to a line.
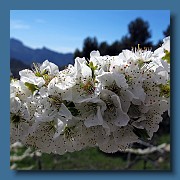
161	148
27	153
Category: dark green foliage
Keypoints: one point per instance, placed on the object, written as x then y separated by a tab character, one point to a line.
77	53
139	32
71	107
90	44
167	31
114	49
103	48
141	133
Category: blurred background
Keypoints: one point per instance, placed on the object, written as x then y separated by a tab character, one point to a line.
62	35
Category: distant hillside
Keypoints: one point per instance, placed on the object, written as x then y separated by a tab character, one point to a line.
28	55
17	66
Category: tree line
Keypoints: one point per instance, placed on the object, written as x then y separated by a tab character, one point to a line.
138	33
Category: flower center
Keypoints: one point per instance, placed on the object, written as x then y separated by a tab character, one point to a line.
16	119
110	105
50	126
68	132
134	111
56	100
114	88
88	87
92	107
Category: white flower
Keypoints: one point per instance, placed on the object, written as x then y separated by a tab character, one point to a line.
41	136
85	86
51	68
116	83
63	83
20	120
18	89
51	106
124	137
27	76
151	119
110	146
108	102
108	78
59	85
102	63
113	115
165	46
92	110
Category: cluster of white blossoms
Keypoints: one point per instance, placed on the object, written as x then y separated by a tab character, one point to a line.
108	102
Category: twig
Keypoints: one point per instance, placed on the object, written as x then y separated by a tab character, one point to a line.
128	159
161	148
130	164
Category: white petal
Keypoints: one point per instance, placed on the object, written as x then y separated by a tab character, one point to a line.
28	76
15	104
94	54
60	127
122	118
64	112
94	119
50	67
120	80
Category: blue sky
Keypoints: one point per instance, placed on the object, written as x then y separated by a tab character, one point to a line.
65	30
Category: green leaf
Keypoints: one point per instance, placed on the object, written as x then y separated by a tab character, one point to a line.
93	68
167	56
141	63
73	111
141	133
31	87
38	74
165	90
70	104
41	74
71	107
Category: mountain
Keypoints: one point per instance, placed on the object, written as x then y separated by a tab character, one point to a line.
28	55
17	66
